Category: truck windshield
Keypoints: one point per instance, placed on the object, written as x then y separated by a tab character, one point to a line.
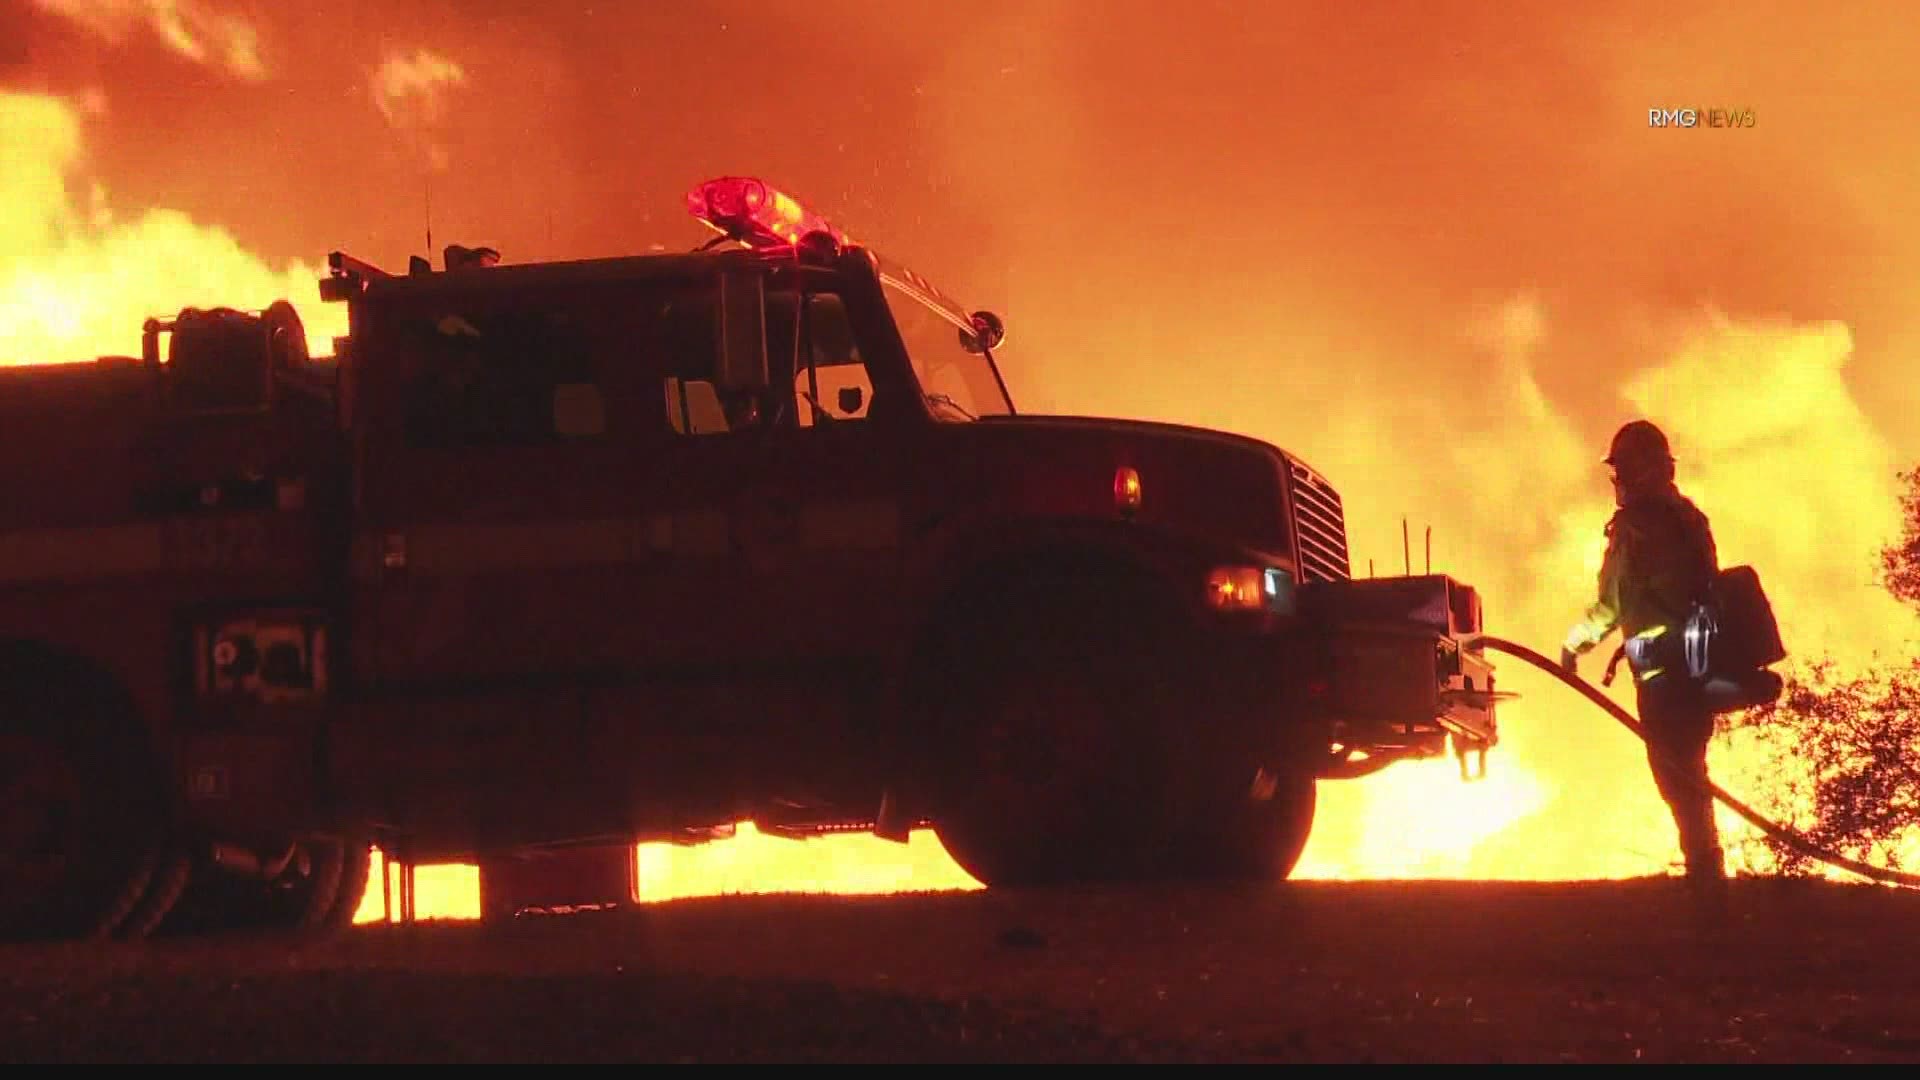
959	384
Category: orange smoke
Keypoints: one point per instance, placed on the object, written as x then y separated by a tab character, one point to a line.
192	29
1438	252
411	91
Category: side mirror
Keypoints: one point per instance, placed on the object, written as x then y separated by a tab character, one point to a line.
743	332
988	332
850	400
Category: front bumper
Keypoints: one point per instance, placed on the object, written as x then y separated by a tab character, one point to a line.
1401	682
1367	673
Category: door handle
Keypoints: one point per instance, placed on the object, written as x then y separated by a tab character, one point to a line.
393	551
377	553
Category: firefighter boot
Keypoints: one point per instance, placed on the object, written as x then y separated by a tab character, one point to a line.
1706	884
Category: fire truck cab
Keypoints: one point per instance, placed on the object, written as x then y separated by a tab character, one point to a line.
560	557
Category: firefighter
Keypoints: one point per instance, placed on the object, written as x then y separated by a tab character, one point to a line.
1660	562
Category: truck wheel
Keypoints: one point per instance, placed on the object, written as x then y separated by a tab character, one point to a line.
1051	723
356	872
81	814
168	885
1255	840
308	903
301	901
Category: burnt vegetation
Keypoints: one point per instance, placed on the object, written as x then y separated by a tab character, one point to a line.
1846	771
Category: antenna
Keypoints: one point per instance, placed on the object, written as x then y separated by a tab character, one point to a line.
429	213
1369	567
1429	549
1406	549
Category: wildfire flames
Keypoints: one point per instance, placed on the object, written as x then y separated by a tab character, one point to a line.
77	278
1446	306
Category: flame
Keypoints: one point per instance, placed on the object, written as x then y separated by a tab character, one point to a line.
750	862
1424	822
76	281
1443	277
1772	444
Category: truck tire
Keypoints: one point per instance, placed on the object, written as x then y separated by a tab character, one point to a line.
1254	840
82	814
308	905
1049	710
356	872
163	892
305	903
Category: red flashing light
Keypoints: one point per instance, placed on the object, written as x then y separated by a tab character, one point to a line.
755	214
1126	490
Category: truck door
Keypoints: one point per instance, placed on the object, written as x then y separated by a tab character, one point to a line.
498	558
807	474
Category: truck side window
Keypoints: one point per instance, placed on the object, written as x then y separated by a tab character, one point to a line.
503	378
694	408
827	383
686	337
830	380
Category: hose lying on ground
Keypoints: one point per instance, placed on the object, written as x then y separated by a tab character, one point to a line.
1778	832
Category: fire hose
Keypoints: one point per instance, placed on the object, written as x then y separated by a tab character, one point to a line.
1779	832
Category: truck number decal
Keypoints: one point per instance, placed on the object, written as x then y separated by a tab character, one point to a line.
212	543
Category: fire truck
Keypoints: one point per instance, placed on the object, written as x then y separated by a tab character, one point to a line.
548	560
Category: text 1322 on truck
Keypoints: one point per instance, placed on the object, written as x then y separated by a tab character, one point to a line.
550	559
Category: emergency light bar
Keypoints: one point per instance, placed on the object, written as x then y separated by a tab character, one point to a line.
757	215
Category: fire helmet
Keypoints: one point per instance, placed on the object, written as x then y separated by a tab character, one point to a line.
1637	445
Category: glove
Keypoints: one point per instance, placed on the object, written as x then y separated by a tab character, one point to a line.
1569	662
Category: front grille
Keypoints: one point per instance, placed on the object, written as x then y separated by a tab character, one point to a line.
1320	526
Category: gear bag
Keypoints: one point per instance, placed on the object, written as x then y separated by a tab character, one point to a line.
1725	646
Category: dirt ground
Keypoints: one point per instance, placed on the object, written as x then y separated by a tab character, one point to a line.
1417	971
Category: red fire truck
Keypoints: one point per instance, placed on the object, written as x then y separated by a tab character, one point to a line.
551	559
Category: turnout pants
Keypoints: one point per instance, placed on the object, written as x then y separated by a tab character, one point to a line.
1678	726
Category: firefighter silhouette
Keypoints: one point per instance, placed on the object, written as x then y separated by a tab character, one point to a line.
1660	562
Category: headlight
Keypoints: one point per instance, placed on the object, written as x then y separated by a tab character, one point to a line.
1251	588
